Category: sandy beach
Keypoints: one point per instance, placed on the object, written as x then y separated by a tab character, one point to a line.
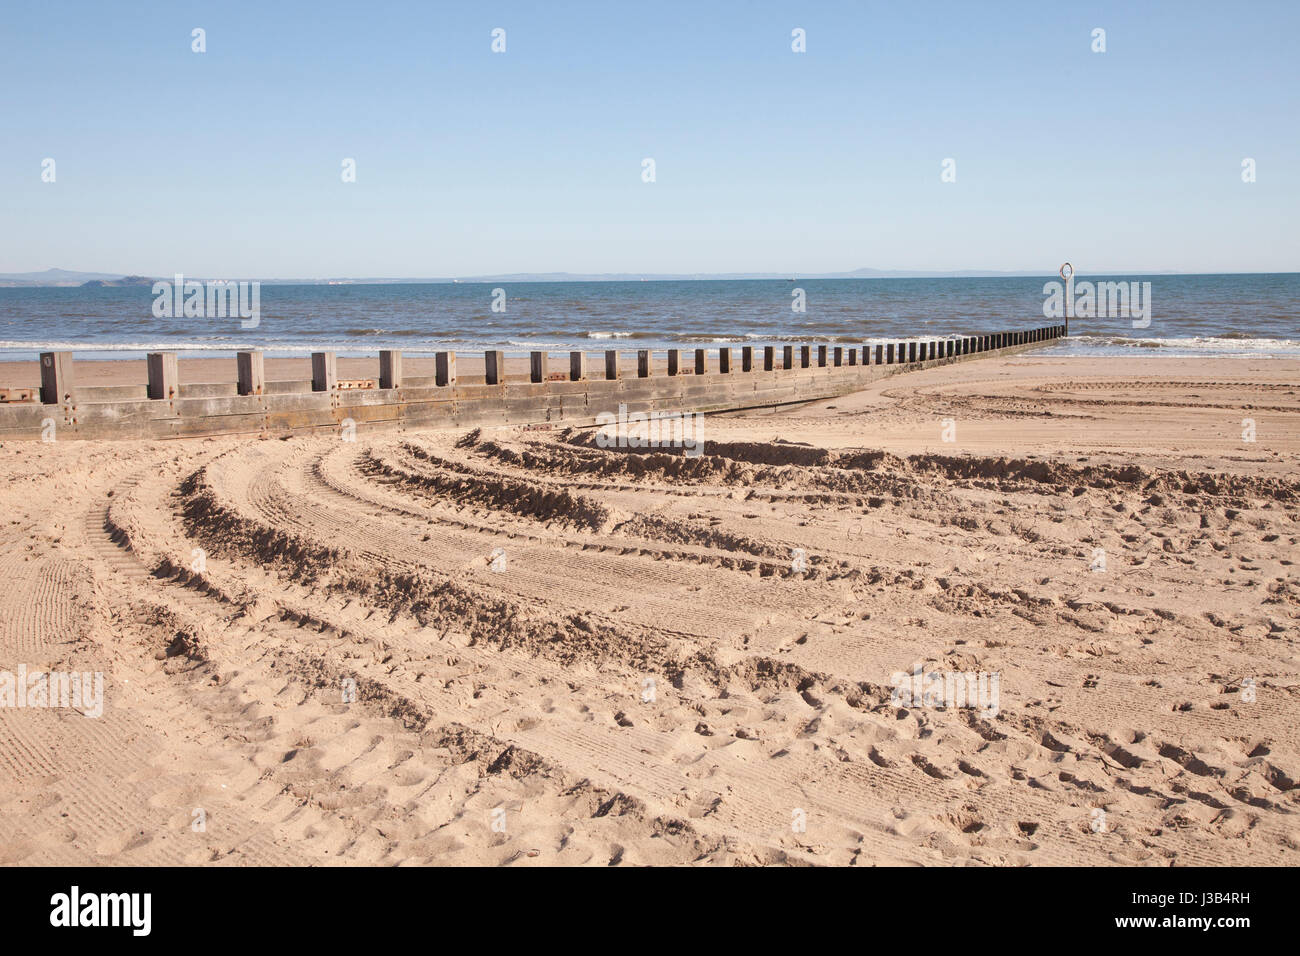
515	646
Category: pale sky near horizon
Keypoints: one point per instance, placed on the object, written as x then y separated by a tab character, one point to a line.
471	162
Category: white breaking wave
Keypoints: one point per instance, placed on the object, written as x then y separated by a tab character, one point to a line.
1187	346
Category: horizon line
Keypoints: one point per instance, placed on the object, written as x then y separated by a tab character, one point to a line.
71	275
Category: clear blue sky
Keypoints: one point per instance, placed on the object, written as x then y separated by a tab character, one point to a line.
470	162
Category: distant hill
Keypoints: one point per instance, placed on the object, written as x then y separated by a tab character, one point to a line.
56	277
125	280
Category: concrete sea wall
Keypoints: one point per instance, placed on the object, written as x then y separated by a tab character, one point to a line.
573	392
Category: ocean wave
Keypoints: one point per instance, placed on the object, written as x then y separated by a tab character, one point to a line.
19	346
1200	343
527	344
401	333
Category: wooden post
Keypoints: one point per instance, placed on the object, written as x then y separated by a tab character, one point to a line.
252	372
390	368
853	356
444	364
821	356
324	372
839	356
724	361
537	366
611	364
747	358
769	358
643	363
56	377
494	368
162	375
577	366
787	357
701	361
911	351
880	354
674	361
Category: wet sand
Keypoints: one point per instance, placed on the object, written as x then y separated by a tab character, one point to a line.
223	371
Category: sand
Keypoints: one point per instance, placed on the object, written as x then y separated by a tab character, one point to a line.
672	659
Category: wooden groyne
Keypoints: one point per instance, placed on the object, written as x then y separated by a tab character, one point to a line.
703	380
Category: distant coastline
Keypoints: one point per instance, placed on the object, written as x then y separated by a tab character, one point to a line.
65	278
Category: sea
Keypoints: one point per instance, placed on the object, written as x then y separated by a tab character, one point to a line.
1254	315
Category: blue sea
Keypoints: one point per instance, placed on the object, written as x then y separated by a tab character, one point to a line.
1240	315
